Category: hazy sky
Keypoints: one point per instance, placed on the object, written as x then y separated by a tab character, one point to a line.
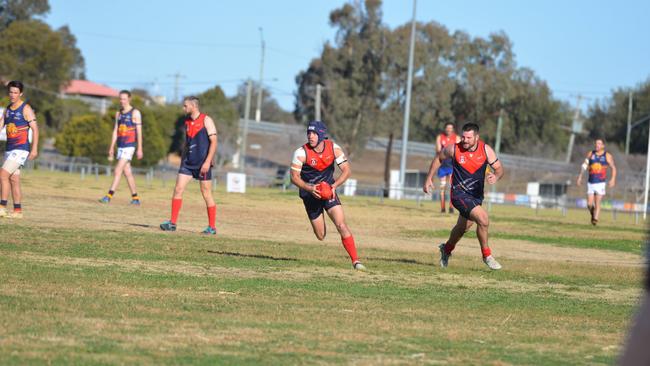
578	46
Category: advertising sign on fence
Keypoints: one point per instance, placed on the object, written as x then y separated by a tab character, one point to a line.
236	182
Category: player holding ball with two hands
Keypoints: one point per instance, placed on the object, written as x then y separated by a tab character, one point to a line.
312	171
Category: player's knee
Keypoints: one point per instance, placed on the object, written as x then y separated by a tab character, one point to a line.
319	235
14	178
483	221
178	192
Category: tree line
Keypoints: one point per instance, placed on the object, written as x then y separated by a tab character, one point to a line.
363	72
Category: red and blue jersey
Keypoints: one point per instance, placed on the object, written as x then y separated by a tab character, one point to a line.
469	170
318	167
126	130
446	141
598	167
197	142
17	128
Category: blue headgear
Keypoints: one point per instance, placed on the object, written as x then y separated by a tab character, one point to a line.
319	128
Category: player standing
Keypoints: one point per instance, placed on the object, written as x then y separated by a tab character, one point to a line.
18	118
597	162
196	162
448	137
313	163
470	160
127	135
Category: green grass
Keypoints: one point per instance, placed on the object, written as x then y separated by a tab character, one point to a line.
622	245
86	284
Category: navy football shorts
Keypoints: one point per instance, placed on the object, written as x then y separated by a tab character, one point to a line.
464	202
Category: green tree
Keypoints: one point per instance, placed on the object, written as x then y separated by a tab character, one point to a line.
608	118
17	10
271	110
350	70
85	135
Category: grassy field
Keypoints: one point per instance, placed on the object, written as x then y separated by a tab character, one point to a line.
82	283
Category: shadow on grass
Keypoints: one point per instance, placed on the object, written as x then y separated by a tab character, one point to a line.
399	260
258	256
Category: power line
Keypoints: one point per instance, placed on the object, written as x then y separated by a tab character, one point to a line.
167	42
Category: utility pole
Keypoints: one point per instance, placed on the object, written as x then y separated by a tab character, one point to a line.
497	146
629	124
242	157
318	96
576	117
177	77
258	111
407	105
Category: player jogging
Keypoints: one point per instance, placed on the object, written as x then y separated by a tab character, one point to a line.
448	137
470	160
18	119
196	162
312	171
597	162
127	134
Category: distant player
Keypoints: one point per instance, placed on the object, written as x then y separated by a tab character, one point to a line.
471	158
313	163
18	119
597	162
448	137
127	135
196	162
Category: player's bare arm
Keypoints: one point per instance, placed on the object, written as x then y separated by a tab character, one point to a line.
610	161
583	168
2	120
211	128
344	165
137	120
111	149
30	116
438	144
495	165
445	153
296	167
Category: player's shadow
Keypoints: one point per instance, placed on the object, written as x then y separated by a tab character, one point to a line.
257	256
399	260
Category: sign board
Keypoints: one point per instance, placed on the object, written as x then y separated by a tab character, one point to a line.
350	187
236	182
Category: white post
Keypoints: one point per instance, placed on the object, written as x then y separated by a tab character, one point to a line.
647	180
407	105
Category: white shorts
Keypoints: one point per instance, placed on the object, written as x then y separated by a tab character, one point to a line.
14	160
125	153
596	188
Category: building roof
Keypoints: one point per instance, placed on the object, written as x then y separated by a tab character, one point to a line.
85	87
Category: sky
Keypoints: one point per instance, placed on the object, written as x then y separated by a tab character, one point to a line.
586	47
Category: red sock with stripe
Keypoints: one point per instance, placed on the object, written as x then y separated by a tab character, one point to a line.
486	252
212	216
449	248
348	244
176	208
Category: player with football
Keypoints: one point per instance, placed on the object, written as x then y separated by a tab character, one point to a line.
312	171
471	158
18	119
448	137
597	162
127	135
196	162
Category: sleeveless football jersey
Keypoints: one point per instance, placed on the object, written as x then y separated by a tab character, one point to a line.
126	132
469	170
17	128
197	142
598	167
318	167
445	141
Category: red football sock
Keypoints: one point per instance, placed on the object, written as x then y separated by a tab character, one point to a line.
176	208
486	252
348	244
212	216
449	248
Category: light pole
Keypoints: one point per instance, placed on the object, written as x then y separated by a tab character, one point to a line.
258	111
407	105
